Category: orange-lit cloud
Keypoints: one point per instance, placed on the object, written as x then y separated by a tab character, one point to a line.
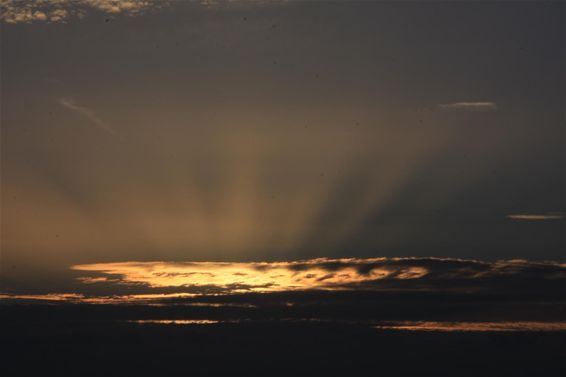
175	321
262	276
90	280
474	326
80	298
66	297
199	282
322	273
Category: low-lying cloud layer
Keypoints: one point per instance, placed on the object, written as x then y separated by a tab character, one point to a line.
323	274
124	282
337	290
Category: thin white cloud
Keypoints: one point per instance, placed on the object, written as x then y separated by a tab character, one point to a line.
85	112
56	11
469	106
536	217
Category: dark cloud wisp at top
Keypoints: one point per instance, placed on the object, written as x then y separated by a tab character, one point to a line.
58	11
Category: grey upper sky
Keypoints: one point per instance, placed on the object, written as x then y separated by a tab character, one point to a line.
279	130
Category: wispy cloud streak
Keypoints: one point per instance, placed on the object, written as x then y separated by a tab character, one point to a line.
469	106
536	217
85	112
504	326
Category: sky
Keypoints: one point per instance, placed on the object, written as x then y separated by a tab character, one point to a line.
265	131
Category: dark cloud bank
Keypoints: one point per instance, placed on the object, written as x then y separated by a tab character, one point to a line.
172	280
336	289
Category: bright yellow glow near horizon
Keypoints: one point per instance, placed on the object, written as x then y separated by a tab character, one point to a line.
255	277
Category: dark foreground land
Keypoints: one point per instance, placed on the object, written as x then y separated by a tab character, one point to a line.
336	337
294	349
